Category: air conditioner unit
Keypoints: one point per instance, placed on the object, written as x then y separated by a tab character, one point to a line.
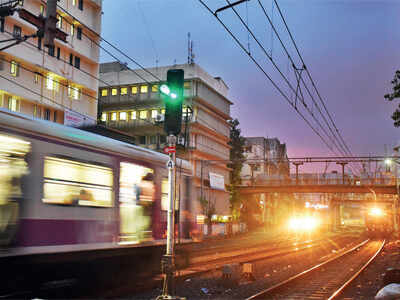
160	118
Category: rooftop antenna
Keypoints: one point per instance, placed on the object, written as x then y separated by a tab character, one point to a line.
190	58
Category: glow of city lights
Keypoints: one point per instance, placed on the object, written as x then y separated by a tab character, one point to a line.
388	161
376	211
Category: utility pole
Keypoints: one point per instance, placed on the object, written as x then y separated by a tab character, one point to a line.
343	164
396	200
297	164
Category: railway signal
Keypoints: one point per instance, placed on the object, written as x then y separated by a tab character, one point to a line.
172	94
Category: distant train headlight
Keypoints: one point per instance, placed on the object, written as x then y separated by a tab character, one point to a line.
295	223
309	223
303	224
376	211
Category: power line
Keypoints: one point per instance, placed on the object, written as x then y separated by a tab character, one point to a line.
266	74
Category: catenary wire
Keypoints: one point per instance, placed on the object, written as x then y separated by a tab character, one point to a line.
266	74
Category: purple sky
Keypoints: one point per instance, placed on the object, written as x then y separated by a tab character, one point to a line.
351	48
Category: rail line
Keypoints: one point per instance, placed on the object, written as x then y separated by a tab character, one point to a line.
328	279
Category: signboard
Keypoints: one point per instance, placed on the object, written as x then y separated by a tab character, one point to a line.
170	164
217	181
171	149
75	119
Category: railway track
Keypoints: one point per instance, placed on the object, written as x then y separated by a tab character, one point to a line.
328	279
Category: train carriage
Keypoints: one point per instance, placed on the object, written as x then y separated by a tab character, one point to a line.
64	190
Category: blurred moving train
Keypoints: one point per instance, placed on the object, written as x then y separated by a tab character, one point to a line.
64	190
379	221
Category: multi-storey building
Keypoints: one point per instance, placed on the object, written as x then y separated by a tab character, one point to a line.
266	159
57	84
134	105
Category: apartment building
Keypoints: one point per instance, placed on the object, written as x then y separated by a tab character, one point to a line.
266	159
134	105
57	84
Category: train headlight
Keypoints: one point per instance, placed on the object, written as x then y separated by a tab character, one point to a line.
376	211
294	223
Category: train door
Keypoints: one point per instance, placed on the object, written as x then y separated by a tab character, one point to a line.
136	197
12	168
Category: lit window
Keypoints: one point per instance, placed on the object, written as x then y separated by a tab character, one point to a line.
143	114
187	85
74	92
37	111
114	116
154	88
72	29
14	68
104	92
104	117
51	84
36	78
41	9
114	92
164	194
124	91
59	23
73	2
134	90
163	111
133	115
144	89
154	113
13	104
122	116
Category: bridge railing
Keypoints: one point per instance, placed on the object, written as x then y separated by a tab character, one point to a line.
326	181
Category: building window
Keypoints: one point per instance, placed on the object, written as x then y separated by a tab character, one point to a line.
134	90
153	139
71	59
114	116
37	111
73	2
59	23
79	33
51	84
104	117
163	111
133	115
55	116
124	91
47	114
114	92
163	139
72	29
154	113
51	50
17	32
36	78
80	4
187	85
42	9
58	52
144	89
143	114
104	92
122	116
142	140
154	88
13	104
77	62
39	43
74	92
14	68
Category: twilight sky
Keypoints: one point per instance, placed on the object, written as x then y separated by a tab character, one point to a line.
350	47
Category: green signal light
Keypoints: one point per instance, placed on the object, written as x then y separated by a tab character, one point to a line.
165	89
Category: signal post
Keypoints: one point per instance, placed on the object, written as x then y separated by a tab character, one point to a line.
172	95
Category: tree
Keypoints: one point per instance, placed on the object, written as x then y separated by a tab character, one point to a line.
236	162
395	94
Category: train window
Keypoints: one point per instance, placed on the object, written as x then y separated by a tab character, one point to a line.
70	182
136	194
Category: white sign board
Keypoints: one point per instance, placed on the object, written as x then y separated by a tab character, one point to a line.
217	181
75	119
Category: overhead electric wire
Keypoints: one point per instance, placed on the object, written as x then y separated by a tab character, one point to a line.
280	72
301	78
266	74
110	44
311	79
308	73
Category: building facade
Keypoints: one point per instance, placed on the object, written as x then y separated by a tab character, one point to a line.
134	105
57	84
266	159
